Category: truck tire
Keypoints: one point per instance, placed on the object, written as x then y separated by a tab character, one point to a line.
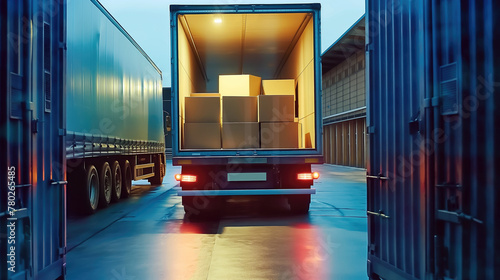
106	182
116	191
90	195
299	203
126	179
159	171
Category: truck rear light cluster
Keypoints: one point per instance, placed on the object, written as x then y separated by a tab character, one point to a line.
307	176
185	178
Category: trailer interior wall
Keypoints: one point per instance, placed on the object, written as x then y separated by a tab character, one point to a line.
433	119
268	45
114	90
31	139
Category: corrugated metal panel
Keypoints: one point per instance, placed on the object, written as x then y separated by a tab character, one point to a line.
432	192
32	134
344	143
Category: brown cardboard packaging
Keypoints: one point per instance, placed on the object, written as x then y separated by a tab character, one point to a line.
202	136
279	135
200	94
276	108
239	85
240	135
278	87
202	110
239	109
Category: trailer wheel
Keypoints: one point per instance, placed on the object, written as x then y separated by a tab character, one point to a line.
299	204
159	172
90	199
127	179
116	191
106	182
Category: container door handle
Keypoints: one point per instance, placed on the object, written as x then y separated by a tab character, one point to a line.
456	217
58	182
380	176
380	214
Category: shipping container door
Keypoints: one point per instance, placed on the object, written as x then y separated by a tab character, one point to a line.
32	138
463	184
395	90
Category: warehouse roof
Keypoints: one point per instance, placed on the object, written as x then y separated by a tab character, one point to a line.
350	42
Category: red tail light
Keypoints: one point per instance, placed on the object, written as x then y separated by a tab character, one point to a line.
185	178
307	176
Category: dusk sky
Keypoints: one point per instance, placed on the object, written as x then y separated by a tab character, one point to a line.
147	21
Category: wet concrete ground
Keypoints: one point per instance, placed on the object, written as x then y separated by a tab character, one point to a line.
147	236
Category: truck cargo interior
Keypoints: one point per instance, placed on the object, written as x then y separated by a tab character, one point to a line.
272	46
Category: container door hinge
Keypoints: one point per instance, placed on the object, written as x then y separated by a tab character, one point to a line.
456	217
370	129
62	251
34	126
62	45
62	132
369	47
431	102
372	248
29	106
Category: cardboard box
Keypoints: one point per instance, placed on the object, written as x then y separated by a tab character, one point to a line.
196	94
239	109
240	135
278	87
276	108
239	85
279	135
202	136
202	110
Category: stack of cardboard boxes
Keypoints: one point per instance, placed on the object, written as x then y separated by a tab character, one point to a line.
202	121
249	120
240	126
278	130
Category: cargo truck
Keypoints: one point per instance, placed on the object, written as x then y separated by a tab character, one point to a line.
114	113
246	92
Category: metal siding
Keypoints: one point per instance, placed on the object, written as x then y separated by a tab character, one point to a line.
432	64
393	100
345	143
32	135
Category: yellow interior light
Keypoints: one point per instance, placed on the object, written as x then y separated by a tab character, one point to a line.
218	20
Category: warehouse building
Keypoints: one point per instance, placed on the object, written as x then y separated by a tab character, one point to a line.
344	99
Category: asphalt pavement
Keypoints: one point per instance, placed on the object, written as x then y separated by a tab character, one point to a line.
147	236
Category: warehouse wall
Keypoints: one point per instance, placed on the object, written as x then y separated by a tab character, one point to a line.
345	143
344	86
344	113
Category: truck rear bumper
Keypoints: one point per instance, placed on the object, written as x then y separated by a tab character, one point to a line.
246	192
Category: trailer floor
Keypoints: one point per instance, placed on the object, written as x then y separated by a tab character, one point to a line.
148	237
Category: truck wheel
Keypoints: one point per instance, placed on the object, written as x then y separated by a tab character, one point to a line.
106	182
90	191
159	172
299	203
116	191
127	179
